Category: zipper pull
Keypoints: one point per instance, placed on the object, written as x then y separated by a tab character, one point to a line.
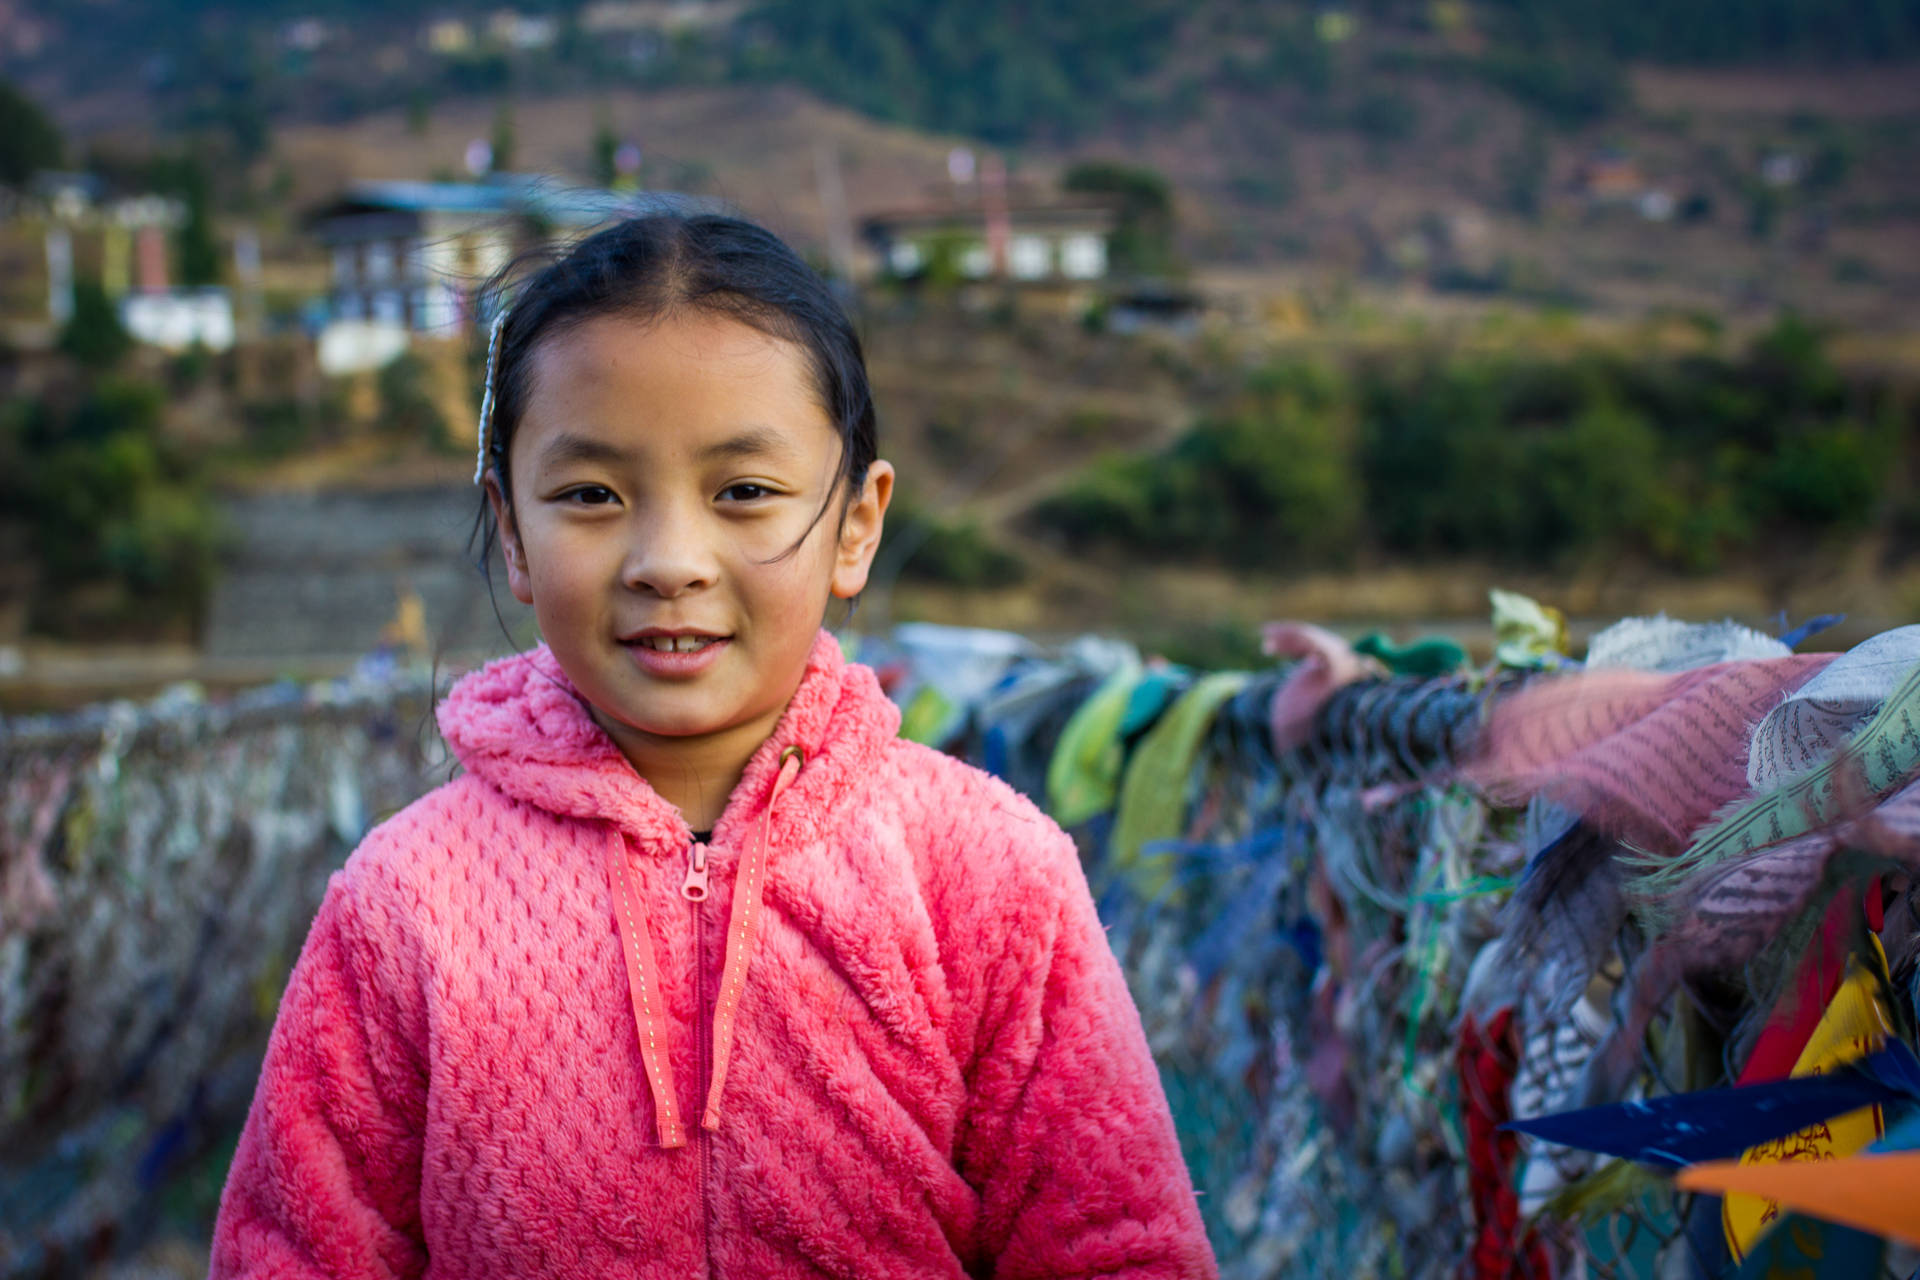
695	887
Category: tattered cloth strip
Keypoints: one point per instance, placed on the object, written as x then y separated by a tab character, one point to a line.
1823	966
1811	725
1153	794
1753	904
31	805
1808	1249
1874	1192
1526	633
1884	754
1681	1129
1487	1060
160	865
1343	1077
1856	1020
1669	645
1323	663
1428	658
1083	775
1643	757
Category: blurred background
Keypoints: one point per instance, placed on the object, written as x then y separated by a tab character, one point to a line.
1181	317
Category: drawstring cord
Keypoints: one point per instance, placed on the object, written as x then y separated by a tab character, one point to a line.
642	981
644	989
741	930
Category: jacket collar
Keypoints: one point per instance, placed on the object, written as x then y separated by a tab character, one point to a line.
519	724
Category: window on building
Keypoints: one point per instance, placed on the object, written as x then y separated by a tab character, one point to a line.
439	256
903	258
975	262
1029	258
439	309
343	275
389	307
1083	257
490	255
379	261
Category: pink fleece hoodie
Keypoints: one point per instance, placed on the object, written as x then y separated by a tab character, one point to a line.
495	1054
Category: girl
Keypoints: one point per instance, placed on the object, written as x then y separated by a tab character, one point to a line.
698	969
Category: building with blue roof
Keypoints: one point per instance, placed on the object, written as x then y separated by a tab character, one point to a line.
413	256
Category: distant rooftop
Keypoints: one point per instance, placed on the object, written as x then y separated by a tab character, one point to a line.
534	195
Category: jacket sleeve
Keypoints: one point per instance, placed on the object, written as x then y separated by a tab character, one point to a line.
326	1179
1070	1143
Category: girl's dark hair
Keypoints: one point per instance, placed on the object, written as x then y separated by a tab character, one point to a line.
650	266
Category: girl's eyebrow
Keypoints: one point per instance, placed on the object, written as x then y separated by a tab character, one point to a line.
748	443
567	447
751	442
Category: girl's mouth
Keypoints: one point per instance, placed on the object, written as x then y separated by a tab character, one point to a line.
676	656
677	644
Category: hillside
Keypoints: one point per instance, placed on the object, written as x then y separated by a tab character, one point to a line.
1368	197
1600	158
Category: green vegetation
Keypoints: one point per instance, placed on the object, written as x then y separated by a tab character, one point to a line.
1526	459
1718	31
29	141
1142	240
502	139
1003	70
94	336
1273	469
119	526
606	149
196	246
952	553
1385	115
114	509
407	408
1570	90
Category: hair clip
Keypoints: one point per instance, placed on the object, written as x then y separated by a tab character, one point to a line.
486	396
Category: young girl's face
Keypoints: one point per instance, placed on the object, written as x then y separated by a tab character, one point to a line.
661	472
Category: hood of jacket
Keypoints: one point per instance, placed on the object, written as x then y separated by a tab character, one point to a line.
519	725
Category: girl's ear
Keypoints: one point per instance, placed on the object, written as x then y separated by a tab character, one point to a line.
860	531
518	580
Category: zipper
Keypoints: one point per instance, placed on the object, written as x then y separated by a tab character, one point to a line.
694	889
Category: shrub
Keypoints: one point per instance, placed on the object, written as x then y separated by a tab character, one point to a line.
1271	474
29	140
1827	477
953	553
110	505
1386	116
1570	90
1142	239
407	406
94	336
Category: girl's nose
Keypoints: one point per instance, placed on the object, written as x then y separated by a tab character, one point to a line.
668	558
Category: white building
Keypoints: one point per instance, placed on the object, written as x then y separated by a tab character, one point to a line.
411	256
179	319
1044	243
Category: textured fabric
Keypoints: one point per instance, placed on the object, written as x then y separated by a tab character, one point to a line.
1645	757
1488	1059
1153	793
936	1068
1428	658
1084	774
1325	663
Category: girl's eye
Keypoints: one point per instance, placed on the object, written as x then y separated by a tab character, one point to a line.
590	495
745	491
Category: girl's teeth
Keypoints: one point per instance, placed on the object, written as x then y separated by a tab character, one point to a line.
675	644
